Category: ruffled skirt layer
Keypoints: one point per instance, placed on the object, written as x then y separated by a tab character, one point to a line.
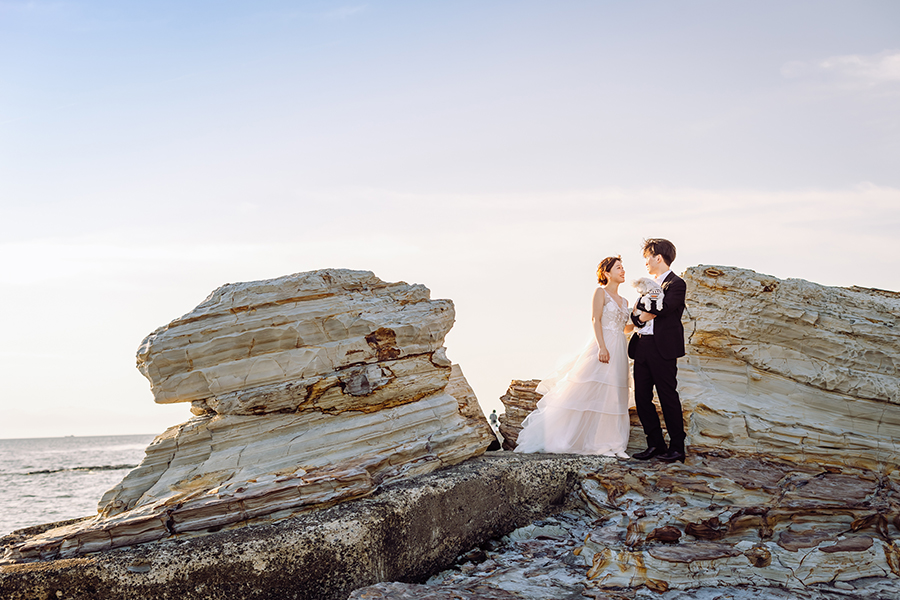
586	409
562	425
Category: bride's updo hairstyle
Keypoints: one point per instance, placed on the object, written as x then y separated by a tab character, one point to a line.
605	267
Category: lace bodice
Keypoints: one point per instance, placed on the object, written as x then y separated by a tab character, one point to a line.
615	316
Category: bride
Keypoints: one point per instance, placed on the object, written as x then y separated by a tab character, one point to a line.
584	409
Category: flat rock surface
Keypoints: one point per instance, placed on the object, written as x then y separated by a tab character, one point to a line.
705	529
406	531
795	526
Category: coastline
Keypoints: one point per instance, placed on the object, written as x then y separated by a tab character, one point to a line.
407	531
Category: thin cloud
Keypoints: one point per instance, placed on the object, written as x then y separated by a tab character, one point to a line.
850	70
33	8
345	12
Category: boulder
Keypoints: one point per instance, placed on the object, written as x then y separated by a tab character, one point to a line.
307	390
792	369
519	400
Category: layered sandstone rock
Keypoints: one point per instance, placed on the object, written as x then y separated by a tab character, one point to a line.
737	519
407	530
308	390
519	400
790	368
791	395
786	368
726	525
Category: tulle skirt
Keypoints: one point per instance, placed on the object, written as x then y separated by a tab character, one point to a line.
584	409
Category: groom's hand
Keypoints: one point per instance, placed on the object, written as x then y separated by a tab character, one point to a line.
640	318
636	318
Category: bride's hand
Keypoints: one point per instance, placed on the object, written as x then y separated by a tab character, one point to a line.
604	355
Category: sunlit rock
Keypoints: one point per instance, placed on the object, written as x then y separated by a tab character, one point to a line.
791	395
518	401
308	390
407	530
792	400
791	368
785	368
740	520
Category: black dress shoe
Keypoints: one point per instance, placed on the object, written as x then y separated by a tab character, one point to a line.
672	456
648	453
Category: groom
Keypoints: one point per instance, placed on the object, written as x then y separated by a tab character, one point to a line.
657	344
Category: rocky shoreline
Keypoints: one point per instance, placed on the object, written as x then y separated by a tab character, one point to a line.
336	450
543	527
407	531
741	526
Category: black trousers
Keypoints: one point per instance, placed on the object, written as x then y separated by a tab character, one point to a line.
651	369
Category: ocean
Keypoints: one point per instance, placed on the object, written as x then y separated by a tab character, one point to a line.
52	479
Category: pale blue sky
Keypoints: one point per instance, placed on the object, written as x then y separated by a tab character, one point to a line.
493	151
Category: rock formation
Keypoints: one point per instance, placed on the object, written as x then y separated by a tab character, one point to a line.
789	368
518	401
724	526
738	519
791	487
786	368
406	530
791	395
308	390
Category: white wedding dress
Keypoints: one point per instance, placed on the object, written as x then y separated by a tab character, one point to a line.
585	405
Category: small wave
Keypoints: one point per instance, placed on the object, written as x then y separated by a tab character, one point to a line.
67	469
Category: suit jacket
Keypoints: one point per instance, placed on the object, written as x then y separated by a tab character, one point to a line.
668	332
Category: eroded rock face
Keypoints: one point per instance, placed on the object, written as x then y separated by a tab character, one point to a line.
791	395
518	402
726	525
407	530
791	368
738	519
785	368
308	390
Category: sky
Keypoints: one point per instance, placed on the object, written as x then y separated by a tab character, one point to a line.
493	151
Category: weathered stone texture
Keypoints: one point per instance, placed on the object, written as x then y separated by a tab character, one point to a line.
791	394
412	591
786	368
791	368
725	525
518	401
308	390
738	519
406	531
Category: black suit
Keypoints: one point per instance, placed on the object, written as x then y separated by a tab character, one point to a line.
656	364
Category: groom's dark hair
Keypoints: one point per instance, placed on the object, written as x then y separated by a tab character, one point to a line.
664	248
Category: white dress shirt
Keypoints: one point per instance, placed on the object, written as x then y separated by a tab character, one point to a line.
648	328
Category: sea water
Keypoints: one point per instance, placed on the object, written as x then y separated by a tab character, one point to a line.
43	480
